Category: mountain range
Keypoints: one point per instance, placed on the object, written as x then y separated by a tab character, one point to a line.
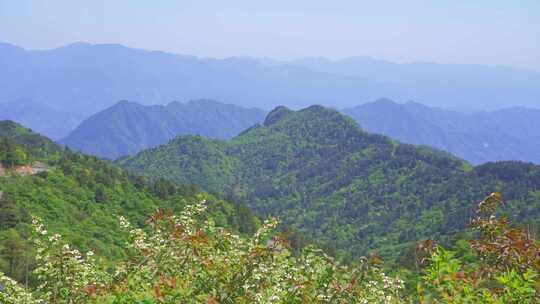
346	189
40	118
83	78
460	86
127	127
478	137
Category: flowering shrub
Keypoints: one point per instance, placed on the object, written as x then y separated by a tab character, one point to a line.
184	259
65	276
507	270
12	293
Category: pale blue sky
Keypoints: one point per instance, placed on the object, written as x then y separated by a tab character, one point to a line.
494	32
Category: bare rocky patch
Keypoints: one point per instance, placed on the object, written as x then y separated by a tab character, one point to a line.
30	169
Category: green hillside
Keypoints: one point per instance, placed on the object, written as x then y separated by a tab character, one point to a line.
81	198
185	256
346	189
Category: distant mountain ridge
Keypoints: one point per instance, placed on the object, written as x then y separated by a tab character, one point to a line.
349	190
84	78
462	86
128	127
41	118
507	134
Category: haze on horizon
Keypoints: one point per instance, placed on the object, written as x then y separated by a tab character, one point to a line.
492	32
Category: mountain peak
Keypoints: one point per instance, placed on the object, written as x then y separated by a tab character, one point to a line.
126	103
8	46
9	125
204	102
325	114
10	128
381	104
318	109
128	127
77	44
276	115
384	100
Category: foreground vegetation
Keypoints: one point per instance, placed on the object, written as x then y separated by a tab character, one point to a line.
186	258
79	197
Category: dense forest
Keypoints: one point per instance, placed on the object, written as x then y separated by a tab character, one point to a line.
186	259
349	191
77	229
80	197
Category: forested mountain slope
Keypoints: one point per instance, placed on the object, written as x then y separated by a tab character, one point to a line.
81	198
349	190
188	258
506	134
128	127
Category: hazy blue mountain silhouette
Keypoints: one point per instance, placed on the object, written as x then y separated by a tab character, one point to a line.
40	118
506	134
86	78
128	127
465	86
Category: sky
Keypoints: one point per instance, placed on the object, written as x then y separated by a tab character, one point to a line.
492	32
